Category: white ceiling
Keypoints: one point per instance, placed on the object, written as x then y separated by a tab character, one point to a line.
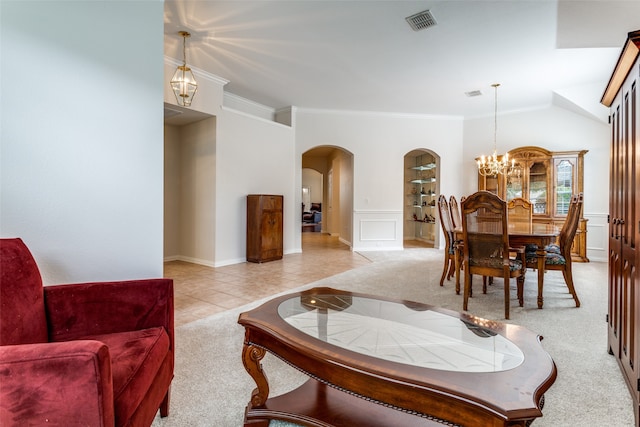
362	55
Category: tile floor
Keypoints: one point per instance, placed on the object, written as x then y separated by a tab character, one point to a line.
201	291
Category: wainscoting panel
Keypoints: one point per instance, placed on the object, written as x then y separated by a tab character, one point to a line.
382	229
597	241
377	230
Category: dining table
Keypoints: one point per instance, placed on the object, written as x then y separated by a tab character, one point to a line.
521	234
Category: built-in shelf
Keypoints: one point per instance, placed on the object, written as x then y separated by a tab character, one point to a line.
426	167
423	180
420	193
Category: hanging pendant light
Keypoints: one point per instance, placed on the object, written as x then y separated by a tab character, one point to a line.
183	83
494	164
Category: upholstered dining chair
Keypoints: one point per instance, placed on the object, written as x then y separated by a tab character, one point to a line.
449	266
558	256
85	354
575	198
485	241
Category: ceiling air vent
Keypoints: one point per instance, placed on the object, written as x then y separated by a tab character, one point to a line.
421	20
473	93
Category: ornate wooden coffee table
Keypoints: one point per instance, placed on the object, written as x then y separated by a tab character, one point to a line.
381	362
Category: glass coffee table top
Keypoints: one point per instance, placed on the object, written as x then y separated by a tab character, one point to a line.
377	361
400	332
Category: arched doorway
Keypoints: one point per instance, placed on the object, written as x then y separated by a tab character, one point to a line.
335	166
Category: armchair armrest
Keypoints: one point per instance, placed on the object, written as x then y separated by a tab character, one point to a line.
65	383
79	310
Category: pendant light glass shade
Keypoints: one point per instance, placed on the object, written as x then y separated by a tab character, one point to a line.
183	82
184	85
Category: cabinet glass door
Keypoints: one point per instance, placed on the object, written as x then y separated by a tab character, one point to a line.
564	186
538	187
491	184
514	183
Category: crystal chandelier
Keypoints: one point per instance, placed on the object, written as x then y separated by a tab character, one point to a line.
494	164
513	176
183	83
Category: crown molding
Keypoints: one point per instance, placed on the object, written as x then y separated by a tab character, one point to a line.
378	114
197	71
627	58
253	116
248	102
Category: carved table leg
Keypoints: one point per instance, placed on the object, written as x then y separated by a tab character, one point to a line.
458	263
520	284
251	357
541	256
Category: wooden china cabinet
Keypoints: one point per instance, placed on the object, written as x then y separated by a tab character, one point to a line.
547	179
623	318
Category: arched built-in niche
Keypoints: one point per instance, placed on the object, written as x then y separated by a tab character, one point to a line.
421	190
336	167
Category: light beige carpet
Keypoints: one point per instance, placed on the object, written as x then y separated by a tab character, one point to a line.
211	387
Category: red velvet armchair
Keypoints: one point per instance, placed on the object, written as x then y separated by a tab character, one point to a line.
90	354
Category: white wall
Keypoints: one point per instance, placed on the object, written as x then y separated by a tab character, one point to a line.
337	217
253	156
82	147
313	180
197	191
172	183
343	178
555	129
378	180
81	136
190	187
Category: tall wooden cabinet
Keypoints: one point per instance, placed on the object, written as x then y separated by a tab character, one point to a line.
623	319
547	179
264	227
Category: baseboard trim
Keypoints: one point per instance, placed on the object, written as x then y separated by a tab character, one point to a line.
190	259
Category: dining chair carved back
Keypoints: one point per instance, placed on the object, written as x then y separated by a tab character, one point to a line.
456	220
485	241
447	229
558	256
456	223
519	209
